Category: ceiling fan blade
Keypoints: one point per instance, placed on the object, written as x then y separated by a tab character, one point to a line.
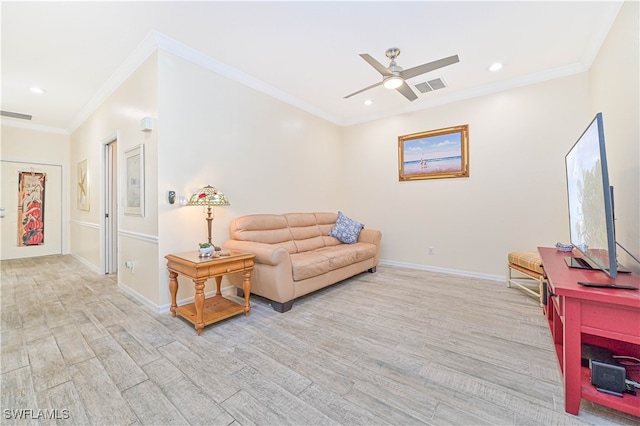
407	92
362	90
430	66
377	65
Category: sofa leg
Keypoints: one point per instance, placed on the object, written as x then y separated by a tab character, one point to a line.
239	292
282	307
372	270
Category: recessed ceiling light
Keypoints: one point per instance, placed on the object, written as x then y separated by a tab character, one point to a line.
495	67
368	102
37	90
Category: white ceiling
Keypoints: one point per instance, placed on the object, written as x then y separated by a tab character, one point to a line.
305	53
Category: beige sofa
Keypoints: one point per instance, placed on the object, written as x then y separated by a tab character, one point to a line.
295	254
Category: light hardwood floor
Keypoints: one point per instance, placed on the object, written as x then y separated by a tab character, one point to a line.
398	347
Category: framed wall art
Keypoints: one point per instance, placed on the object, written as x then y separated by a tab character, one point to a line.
31	208
134	189
83	186
435	154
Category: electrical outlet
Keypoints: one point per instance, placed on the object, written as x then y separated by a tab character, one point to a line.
430	250
128	265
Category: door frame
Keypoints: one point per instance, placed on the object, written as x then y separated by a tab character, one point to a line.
108	206
64	194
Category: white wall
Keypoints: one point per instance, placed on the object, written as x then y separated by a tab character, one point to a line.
615	91
119	116
514	198
21	144
265	155
271	157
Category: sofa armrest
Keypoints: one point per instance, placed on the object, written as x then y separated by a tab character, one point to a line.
372	236
266	254
272	273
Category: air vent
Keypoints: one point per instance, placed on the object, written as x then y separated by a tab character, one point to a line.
423	87
431	85
15	115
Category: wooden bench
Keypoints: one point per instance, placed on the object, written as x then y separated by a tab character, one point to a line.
526	263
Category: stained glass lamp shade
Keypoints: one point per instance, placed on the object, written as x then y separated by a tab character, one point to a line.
209	197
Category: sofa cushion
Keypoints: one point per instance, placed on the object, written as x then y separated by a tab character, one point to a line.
263	228
309	264
326	222
346	229
364	251
305	231
339	256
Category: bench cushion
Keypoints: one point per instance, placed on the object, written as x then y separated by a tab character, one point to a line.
527	259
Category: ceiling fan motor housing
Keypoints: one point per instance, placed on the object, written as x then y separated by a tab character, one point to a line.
392	53
394	69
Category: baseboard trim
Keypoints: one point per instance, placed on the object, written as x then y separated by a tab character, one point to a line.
231	290
165	308
140	298
430	268
86	263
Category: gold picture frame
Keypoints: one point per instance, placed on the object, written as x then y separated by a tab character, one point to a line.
435	154
83	186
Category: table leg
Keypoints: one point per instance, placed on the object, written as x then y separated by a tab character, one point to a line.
173	289
246	287
199	304
218	282
572	353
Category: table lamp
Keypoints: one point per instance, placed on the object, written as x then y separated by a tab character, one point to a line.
209	197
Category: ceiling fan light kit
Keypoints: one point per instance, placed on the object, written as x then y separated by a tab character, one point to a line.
393	82
393	76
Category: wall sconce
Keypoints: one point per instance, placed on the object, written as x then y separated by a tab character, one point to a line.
146	124
172	197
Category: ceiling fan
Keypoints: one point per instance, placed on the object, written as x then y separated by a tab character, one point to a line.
393	77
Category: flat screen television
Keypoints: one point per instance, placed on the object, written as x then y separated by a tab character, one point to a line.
591	217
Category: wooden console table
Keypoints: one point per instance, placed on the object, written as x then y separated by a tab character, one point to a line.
609	318
204	312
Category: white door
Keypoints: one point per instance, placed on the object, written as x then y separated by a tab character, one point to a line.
51	211
111	207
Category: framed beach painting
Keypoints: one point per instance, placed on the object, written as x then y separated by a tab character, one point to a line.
435	154
134	189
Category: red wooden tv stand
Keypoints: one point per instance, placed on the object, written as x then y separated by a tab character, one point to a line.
604	317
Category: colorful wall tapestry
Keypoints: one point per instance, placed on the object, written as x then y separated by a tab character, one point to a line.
31	208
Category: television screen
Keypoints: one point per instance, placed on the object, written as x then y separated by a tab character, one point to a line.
590	199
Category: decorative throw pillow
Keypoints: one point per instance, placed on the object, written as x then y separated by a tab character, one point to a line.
346	230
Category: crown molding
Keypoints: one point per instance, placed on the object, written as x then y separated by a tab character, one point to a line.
598	38
140	54
22	124
177	48
158	41
489	89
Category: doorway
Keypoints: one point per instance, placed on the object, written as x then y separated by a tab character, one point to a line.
12	241
111	206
